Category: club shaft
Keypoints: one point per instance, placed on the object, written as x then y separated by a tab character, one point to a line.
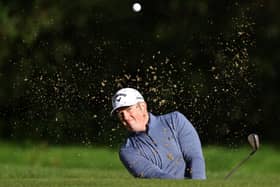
240	163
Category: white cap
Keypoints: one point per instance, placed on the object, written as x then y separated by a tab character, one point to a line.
126	97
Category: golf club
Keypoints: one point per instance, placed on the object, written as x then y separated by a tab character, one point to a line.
253	140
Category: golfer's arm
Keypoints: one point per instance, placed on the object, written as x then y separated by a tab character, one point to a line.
191	148
192	152
198	168
139	166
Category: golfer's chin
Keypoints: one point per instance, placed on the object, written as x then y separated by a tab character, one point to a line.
135	128
138	130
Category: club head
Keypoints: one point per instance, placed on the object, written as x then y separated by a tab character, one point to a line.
253	140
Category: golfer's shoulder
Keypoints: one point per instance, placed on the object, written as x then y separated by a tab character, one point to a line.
130	142
173	119
126	145
175	115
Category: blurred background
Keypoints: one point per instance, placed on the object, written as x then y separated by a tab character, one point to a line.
217	62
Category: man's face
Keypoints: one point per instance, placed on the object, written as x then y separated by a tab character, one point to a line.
134	117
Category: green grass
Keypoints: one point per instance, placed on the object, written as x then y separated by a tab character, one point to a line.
43	165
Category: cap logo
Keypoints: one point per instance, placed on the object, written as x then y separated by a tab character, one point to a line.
119	97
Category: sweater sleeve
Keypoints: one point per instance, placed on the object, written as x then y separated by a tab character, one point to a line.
191	147
139	166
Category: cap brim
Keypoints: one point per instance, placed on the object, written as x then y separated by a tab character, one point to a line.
126	105
113	111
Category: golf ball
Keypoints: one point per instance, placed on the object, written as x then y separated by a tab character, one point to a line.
136	7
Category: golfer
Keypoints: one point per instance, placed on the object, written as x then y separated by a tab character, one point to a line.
165	146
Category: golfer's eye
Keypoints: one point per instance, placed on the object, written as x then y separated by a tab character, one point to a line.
129	108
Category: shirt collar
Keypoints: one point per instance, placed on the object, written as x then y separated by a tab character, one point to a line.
150	125
151	122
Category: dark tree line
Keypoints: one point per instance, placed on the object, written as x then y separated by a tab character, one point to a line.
60	63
